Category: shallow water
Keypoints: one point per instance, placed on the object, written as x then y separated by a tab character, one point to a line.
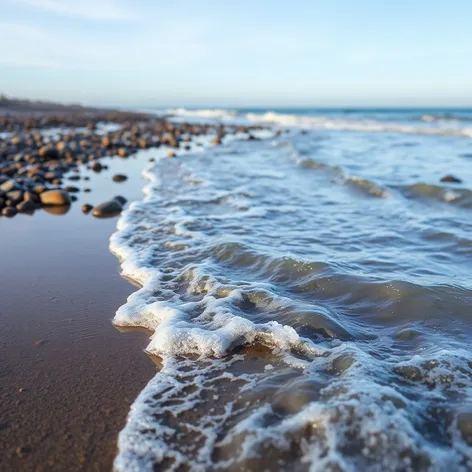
310	297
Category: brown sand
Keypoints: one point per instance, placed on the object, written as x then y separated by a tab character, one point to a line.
67	376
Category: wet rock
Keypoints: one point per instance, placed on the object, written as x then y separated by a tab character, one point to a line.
86	190
451	179
119	178
16	196
74	177
8	186
86	208
49	152
170	154
108	209
39	189
96	167
9	211
120	198
27	206
122	152
55	197
71	189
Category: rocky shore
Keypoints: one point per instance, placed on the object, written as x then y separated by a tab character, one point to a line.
37	150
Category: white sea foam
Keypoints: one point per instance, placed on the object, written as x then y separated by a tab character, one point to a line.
330	123
305	404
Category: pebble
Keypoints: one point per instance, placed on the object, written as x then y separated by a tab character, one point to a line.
451	179
170	154
55	197
9	211
87	208
108	209
119	178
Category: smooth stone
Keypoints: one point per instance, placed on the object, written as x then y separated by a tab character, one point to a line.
27	206
9	211
8	186
86	208
120	198
108	209
71	189
15	196
55	197
119	178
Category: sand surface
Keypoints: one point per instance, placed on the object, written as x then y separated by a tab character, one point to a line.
67	375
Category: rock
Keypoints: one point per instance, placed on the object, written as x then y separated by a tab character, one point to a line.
16	196
27	206
96	167
108	209
216	140
71	189
86	208
9	211
86	190
74	177
106	142
31	196
122	152
151	159
121	199
39	189
8	186
451	179
73	198
119	178
170	154
55	197
49	152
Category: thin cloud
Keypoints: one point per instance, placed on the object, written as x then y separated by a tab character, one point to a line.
107	10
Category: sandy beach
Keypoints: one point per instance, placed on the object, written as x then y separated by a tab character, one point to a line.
68	376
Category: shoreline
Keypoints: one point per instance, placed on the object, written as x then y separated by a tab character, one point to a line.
69	375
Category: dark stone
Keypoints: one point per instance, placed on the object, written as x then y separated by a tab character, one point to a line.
86	208
120	198
9	211
27	206
71	189
16	196
74	177
451	179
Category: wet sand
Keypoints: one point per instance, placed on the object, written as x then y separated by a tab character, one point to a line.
67	375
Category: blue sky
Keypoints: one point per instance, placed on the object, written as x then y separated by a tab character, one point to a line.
238	53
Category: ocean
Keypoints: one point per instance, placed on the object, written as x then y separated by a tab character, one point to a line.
309	295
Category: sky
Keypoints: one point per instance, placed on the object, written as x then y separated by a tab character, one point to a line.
139	53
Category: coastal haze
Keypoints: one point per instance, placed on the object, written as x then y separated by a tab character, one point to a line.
236	237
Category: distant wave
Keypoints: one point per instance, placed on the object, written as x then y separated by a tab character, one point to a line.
430	124
444	117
